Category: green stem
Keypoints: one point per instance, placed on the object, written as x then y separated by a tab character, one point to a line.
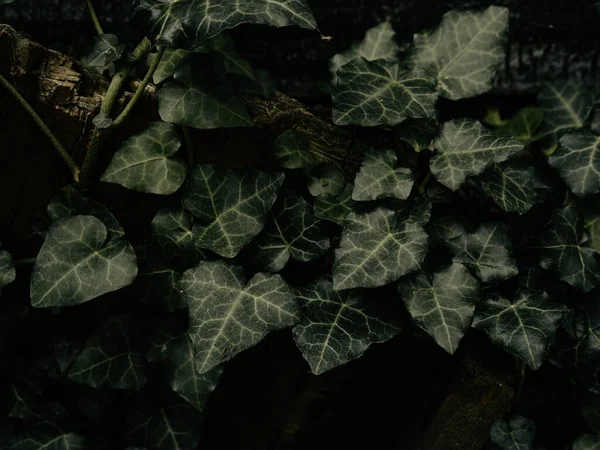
424	183
188	145
40	123
24	261
94	18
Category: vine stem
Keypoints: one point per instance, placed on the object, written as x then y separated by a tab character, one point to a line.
188	144
94	18
24	261
40	123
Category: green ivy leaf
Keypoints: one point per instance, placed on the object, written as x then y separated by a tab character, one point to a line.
197	20
587	442
442	229
113	357
292	231
230	206
513	188
465	51
229	315
338	327
590	411
326	180
335	208
291	150
379	177
443	306
418	133
378	43
466	148
106	50
525	327
223	46
370	93
201	97
49	438
376	248
577	159
7	269
487	251
78	263
523	125
562	253
517	434
176	225
167	64
145	162
26	387
263	85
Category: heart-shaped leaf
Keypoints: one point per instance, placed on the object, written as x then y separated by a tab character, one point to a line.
193	21
228	314
325	179
78	263
370	93
338	327
465	51
587	442
577	159
106	50
291	150
230	206
513	188
201	97
7	269
292	231
335	208
517	434
444	306
524	327
418	133
167	64
523	125
146	163
562	253
49	438
223	46
376	248
176	225
466	148
380	178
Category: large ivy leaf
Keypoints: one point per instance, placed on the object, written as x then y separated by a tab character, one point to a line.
372	93
200	96
562	253
49	438
577	159
379	177
587	442
516	434
194	21
465	51
338	327
113	356
378	43
335	208
376	248
443	306
229	315
465	148
292	231
26	387
487	251
291	150
106	50
525	327
514	188
7	269
230	206
78	263
146	163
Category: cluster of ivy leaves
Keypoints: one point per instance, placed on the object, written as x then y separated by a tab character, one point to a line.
461	224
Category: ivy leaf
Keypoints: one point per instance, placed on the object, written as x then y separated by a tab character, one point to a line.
230	206
525	327
263	85
292	231
587	442
378	43
326	179
418	133
106	50
444	306
338	327
442	229
562	253
229	315
113	357
523	125
26	388
335	208
102	121
49	438
201	97
487	251
291	150
577	159
7	269
198	20
167	64
376	248
517	434
145	162
513	188
370	93
234	64
466	148
175	224
78	263
464	52
380	178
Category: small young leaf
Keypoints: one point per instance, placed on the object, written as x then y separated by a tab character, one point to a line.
326	180
106	50
466	148
376	248
370	93
102	121
562	253
78	263
465	51
517	434
443	307
175	224
523	125
7	270
380	178
418	133
525	327
577	159
512	187
230	206
145	162
229	315
587	442
335	208
291	150
49	438
167	64
338	327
